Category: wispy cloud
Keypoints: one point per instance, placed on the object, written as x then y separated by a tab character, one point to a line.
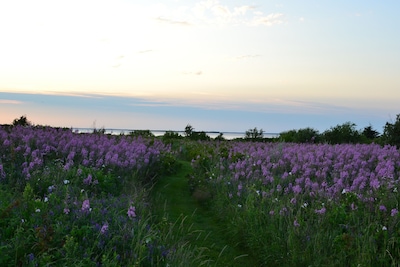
269	20
192	73
145	51
118	61
73	94
213	12
10	102
217	13
173	22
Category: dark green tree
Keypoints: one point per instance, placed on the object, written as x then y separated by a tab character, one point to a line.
306	135
22	121
254	134
189	130
288	136
341	134
370	133
199	136
220	137
391	132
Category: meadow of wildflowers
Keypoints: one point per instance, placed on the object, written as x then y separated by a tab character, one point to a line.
69	199
306	204
83	199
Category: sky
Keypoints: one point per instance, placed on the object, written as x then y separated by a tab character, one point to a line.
216	65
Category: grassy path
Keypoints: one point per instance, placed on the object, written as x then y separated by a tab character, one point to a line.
172	197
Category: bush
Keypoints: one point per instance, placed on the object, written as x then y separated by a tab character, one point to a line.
391	132
306	135
254	134
22	121
342	134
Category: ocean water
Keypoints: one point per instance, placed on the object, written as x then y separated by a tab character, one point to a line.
212	134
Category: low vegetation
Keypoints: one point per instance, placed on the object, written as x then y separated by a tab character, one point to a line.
302	199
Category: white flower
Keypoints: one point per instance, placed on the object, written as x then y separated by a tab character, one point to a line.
239	205
258	192
37	210
82	190
66	181
344	191
384	228
22	220
46	199
395	190
305	204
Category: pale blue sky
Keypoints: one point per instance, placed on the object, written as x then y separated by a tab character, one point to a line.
219	65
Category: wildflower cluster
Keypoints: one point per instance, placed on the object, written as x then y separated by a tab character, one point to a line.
316	192
63	199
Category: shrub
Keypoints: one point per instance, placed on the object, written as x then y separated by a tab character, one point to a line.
391	132
345	133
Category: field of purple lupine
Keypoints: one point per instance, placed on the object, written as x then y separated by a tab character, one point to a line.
307	204
83	199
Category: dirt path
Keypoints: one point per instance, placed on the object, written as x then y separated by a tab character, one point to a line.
172	194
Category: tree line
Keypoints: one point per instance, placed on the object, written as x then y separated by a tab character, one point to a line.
339	134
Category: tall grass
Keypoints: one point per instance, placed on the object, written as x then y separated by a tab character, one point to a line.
83	200
306	205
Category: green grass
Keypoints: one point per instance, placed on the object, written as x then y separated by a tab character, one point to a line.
173	201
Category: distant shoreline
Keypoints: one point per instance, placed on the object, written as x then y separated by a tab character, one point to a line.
212	134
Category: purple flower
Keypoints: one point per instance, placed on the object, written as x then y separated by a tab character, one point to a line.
296	223
394	212
104	228
132	212
66	210
86	205
88	180
321	211
240	187
374	184
283	211
297	189
271	212
31	257
382	208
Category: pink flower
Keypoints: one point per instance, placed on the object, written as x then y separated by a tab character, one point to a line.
271	212
321	211
86	205
132	212
394	212
104	228
88	180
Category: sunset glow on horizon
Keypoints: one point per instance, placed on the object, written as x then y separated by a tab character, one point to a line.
223	65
